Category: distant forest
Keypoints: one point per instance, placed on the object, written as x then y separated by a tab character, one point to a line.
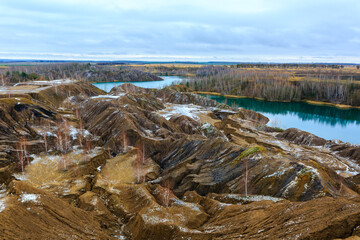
333	83
79	71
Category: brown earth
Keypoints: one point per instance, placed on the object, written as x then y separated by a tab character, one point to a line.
131	167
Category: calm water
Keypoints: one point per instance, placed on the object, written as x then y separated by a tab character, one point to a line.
168	80
323	121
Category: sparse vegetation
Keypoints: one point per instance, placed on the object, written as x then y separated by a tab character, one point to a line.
79	71
339	86
247	153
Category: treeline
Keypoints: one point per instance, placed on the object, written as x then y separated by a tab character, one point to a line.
169	70
290	65
276	85
297	70
79	71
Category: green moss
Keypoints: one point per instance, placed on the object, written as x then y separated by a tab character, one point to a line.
248	152
277	129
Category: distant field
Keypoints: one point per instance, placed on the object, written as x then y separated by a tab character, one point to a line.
175	65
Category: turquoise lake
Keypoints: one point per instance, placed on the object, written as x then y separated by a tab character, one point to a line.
323	121
168	80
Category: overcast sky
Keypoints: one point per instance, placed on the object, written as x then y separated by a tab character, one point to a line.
195	30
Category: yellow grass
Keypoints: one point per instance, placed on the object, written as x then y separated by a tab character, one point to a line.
342	106
118	170
45	171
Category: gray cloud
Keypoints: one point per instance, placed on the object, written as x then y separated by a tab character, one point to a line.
234	30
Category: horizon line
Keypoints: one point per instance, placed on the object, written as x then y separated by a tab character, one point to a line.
13	60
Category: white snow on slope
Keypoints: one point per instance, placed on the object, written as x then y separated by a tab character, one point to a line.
189	110
29	197
53	82
108	96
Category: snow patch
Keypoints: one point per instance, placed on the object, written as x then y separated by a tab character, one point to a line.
20	176
109	96
253	198
53	82
2	204
2	200
29	197
74	132
189	110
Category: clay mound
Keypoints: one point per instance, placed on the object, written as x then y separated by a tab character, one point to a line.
347	151
235	118
186	124
252	116
117	116
207	163
156	213
324	218
34	214
232	216
168	95
19	118
301	137
215	166
6	174
183	178
54	96
16	115
131	118
222	114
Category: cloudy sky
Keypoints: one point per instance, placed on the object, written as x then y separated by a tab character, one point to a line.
195	30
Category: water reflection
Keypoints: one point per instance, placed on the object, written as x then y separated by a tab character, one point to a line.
305	111
324	121
168	80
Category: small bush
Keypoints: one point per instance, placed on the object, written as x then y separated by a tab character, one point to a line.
248	152
277	129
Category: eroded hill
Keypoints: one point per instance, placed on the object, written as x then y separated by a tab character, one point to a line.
164	164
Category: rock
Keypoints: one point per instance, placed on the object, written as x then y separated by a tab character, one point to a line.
347	151
252	116
211	166
186	124
278	220
222	114
301	137
168	95
6	174
89	201
56	95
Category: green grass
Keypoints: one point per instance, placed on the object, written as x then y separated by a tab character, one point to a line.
248	152
277	129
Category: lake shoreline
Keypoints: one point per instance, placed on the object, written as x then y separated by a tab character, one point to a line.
318	103
303	117
115	81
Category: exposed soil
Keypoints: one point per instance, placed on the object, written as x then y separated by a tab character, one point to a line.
164	164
